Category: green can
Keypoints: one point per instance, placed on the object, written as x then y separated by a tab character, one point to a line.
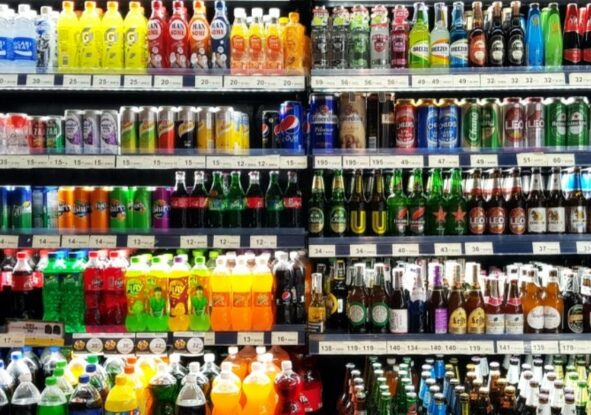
471	123
491	123
577	122
555	125
148	130
141	208
129	129
118	207
54	135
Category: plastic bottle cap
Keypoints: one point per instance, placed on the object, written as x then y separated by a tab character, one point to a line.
84	378
257	12
58	372
286	365
256	366
232	350
267	357
129	370
162	367
274	12
191	378
209	357
226	366
225	376
179	259
50	381
90	368
132	360
21	255
61	364
16	355
1	364
261	350
194	367
135	260
120	380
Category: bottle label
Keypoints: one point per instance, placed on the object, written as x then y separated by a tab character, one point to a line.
517	221
478	51
536	220
419	52
379	222
5	49
379	314
262	299
577	219
198	202
514	323
477	221
496	220
400	220
357	222
439	220
477	321
535	318
574	318
235	204
357	314
338	219
241	299
22	283
572	55
398	320
275	205
292	202
220	299
179	202
417	220
556	219
316	319
459	52
178	296
497	50
440	320
132	412
495	323
255	202
440	52
315	220
458	321
552	318
24	49
516	50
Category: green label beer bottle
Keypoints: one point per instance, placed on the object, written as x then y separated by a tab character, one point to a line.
397	204
417	204
316	206
357	213
436	213
377	206
338	212
457	211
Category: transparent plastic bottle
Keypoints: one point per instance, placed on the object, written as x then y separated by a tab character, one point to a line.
32	362
17	366
85	400
257	388
4	403
62	383
45	29
24	45
225	395
163	390
50	362
114	366
191	400
6	35
26	397
7	381
52	400
200	378
97	381
210	370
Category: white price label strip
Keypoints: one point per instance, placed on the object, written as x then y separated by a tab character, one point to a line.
363	250
475	347
141	241
322	251
263	241
77	81
444	161
466	81
193	241
331	348
448	249
8	241
484	160
575	346
8	80
75	241
396	162
244	82
580	78
531	160
250	338
189	162
259	162
356	162
106	81
405	250
295	162
98	162
328	162
137	81
284	338
478	248
226	241
168	82
40	81
560	159
12	340
583	247
544	347
510	347
546	248
433	81
220	162
102	241
209	82
285	82
46	241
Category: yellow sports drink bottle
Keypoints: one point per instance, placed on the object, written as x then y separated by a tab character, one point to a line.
90	38
67	37
135	29
112	35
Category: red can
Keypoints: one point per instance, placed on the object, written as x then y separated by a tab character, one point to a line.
38	134
99	209
82	208
513	123
166	131
405	116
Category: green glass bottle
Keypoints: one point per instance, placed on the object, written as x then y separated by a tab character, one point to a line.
316	218
417	204
377	206
274	201
436	213
235	203
553	42
337	215
457	210
397	204
357	207
418	40
215	202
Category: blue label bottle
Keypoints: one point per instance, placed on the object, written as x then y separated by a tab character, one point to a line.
458	37
534	37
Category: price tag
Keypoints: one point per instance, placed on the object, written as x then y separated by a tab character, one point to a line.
40	81
209	82
162	163
466	81
98	162
531	160
484	160
153	343
433	81
263	241
323	82
444	161
102	241
260	162
77	81
106	81
380	82
328	162
475	347
363	250
141	241
356	162
8	241
193	241
64	162
220	162
296	162
46	241
284	338
449	249
478	248
365	347
189	162
580	78
544	347
331	348
545	248
510	347
137	81
244	82
405	250
322	251
75	241
528	80
285	82
168	82
583	247
560	159
574	346
491	81
250	338
226	241
12	340
8	80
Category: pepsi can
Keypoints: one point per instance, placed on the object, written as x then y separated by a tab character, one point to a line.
323	121
427	124
291	115
270	129
448	131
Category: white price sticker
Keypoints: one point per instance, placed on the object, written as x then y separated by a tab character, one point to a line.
75	241
254	338
529	80
405	250
510	347
583	247
466	81
444	161
98	162
193	241
560	159
328	162
531	160
8	80
40	81
478	248
386	81
209	82
484	160
137	81
580	78
285	82
226	241
331	348
259	162
365	347
293	162
322	251
433	81
396	162
284	338
189	162
106	81
475	347
263	241
493	80
141	241
46	241
162	163
363	250
65	162
8	241
220	162
77	81
356	162
574	346
244	82
168	82
12	340
449	249
545	248
102	241
544	347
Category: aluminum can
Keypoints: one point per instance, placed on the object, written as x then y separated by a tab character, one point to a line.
91	131
352	121
491	123
323	122
161	208
427	130
109	132
471	123
245	128
186	129
18	127
205	128
4	209
513	123
224	125
535	122
142	208
51	204
385	119
38	208
405	118
118	205
270	129
235	142
54	137
73	132
448	124
166	129
65	205
130	129
21	207
148	130
99	209
555	122
38	138
577	122
291	120
82	208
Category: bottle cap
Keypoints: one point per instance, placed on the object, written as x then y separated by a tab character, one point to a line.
50	381
120	380
286	365
209	357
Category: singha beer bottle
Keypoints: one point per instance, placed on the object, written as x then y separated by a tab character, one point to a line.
576	217
555	204
316	206
536	205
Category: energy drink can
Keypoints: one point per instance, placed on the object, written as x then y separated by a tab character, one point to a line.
54	137
205	128
166	129
91	132
235	142
129	129
148	130
73	132
109	132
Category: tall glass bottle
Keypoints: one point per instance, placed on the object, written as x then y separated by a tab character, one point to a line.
377	206
571	37
476	206
572	316
516	212
456	207
215	202
533	310
292	202
439	41
418	40
497	50
317	308
337	216
458	51
577	214
417	304
399	38
477	38
398	313
553	45
235	203
336	299
513	309
357	302
474	301
553	303
274	201
437	304
516	38
378	310
436	213
197	214
357	208
496	212
179	203
495	319
316	217
416	205
536	205
586	294
456	305
534	37
255	202
397	204
555	204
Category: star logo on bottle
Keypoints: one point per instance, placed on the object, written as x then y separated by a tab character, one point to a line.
459	215
440	215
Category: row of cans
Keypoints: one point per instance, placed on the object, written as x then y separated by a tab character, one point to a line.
84	208
286	128
150	130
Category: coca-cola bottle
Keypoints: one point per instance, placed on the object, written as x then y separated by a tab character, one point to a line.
571	37
22	288
179	202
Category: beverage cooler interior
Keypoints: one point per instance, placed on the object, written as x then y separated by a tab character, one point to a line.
289	207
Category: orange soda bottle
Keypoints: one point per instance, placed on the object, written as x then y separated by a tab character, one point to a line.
271	370
241	296
239	365
256	42
257	389
294	44
225	395
221	290
262	293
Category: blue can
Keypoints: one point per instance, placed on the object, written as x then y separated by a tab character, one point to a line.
427	124
449	124
291	120
323	121
50	202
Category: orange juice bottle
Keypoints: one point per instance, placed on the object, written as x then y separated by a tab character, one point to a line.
239	365
257	389
157	295
274	44
241	280
294	45
225	395
178	295
239	43
262	294
221	290
256	42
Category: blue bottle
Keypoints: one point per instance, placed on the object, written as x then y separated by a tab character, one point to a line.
534	37
220	37
458	38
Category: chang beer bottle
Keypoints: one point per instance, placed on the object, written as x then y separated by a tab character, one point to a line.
337	212
436	213
357	207
235	203
457	211
553	37
359	38
377	206
458	36
439	45
418	40
316	218
397	205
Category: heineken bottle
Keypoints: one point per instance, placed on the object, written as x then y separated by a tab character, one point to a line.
397	205
457	211
416	204
436	213
316	219
337	214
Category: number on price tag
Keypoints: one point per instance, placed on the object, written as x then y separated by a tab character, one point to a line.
531	160
433	81
580	78
168	82
102	241
186	162
193	241
253	338
141	241
106	81
263	241
327	162
574	346
356	162
244	82
448	249
396	162
366	347
466	81
476	347
75	241
546	248
583	247
8	80
444	161
8	241
484	160
405	250
137	81
510	347
284	338
297	162
478	248
12	340
226	241
544	347
217	162
331	348
209	82
322	251
40	81
46	241
560	159
77	81
363	250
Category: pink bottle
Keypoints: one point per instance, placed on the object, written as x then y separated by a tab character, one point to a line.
178	37
288	385
114	304
93	289
158	36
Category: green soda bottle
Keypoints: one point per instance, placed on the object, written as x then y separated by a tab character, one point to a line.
52	287
198	289
135	291
53	400
553	37
235	203
72	291
418	40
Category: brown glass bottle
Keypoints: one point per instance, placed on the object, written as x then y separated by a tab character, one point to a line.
495	320
357	207
398	313
377	206
497	49
476	206
533	310
553	304
476	321
457	323
555	204
516	205
513	310
507	406
586	294
483	406
536	205
572	317
576	215
496	211
477	53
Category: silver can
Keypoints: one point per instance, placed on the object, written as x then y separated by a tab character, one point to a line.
73	131
534	122
51	207
109	132
91	132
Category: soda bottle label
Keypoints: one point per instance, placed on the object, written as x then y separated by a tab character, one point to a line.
178	44
5	49
24	49
22	283
220	299
199	41
178	295
219	33
262	299
292	202
156	44
197	202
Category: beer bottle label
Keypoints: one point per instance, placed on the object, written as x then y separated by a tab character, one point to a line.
419	53
476	321
497	50
577	219
552	318
495	323
316	319
459	52
496	220
536	220
400	220
478	50
556	219
439	221
357	314
357	222
398	320
535	318
417	220
574	318
379	222
331	303
477	221
514	323
338	219
440	320
379	314
459	221
516	50
517	221
315	220
457	321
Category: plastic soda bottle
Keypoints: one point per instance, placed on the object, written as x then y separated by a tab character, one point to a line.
199	37
62	383
51	288
157	36
241	280
239	42
54	357
52	400
178	295
210	370
26	397
294	34
90	37
93	288
97	381
114	365
256	43
4	403
112	37
220	37
114	300
239	366
121	399
85	400
200	378
72	291
67	35
135	285
288	385
24	45
227	367
199	295
178	32
22	288
262	293
17	366
7	381
220	297
191	400
75	368
157	292
225	395
257	388
146	367
135	29
163	392
274	44
140	390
